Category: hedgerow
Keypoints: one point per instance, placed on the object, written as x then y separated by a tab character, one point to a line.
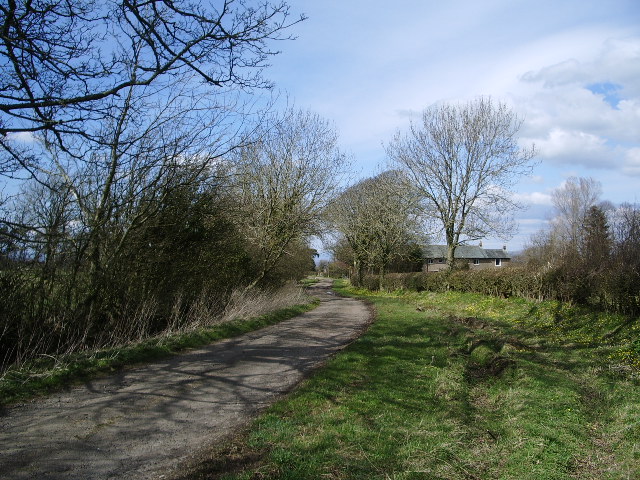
617	292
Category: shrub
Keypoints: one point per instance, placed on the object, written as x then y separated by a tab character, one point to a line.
618	292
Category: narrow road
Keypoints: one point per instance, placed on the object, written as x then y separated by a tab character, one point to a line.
145	421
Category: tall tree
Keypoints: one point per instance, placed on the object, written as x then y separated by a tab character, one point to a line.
571	203
596	244
111	112
378	218
115	178
563	241
62	62
108	107
283	182
626	234
626	261
464	159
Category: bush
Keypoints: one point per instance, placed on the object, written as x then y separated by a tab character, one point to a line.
618	292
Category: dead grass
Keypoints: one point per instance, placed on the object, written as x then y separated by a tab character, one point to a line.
189	328
253	303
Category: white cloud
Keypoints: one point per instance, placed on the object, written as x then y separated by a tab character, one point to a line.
575	147
632	162
22	137
616	59
533	221
570	69
560	74
576	108
586	112
533	198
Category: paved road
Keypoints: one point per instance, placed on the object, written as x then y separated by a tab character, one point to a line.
144	421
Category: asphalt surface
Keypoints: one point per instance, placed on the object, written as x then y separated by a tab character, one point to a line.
144	422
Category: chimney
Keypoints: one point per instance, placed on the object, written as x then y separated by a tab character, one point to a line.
504	247
480	244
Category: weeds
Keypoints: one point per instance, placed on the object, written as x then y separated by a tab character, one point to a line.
45	373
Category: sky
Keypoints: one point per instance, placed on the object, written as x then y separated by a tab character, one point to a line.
569	68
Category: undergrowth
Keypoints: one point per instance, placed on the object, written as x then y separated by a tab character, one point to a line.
245	313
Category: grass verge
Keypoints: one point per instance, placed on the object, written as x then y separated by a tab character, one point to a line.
49	374
454	386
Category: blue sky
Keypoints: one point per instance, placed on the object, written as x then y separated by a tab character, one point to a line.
571	69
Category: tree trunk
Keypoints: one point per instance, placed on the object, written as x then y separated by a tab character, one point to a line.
381	278
451	252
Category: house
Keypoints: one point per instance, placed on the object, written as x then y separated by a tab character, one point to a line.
435	257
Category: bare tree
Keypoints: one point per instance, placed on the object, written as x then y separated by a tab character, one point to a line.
626	228
110	100
377	217
112	115
464	159
626	237
563	239
284	180
102	191
571	202
62	62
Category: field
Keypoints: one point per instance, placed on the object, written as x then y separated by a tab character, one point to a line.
456	386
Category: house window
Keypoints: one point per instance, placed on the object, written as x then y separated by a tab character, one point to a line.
430	261
441	260
498	262
476	261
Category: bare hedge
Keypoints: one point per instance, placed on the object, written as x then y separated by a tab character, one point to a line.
617	290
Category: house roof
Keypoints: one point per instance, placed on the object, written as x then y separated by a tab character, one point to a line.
464	251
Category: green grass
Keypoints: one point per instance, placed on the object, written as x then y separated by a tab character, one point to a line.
49	374
308	281
454	386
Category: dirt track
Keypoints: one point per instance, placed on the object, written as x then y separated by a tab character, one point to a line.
145	421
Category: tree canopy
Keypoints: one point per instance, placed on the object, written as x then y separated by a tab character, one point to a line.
379	219
62	63
283	181
464	160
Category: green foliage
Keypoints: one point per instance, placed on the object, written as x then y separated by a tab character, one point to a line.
589	257
296	264
132	291
464	386
190	247
556	295
185	261
618	292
